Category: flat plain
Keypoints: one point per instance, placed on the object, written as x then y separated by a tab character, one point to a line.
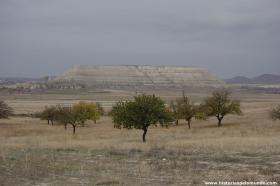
245	148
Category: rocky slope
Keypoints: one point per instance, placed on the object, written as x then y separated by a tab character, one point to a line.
130	76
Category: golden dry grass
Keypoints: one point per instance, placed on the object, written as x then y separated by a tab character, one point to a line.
245	148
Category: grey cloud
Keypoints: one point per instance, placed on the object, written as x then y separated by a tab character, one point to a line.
238	37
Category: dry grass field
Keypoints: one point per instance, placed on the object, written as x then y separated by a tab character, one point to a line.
245	148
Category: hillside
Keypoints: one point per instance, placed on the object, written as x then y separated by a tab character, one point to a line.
131	76
266	79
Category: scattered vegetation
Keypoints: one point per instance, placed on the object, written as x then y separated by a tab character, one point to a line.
144	111
38	155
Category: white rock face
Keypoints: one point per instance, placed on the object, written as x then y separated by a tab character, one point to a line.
134	75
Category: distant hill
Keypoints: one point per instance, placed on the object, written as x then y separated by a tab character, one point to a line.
143	77
238	80
269	79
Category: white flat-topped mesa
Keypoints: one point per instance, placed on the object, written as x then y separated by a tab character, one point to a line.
110	76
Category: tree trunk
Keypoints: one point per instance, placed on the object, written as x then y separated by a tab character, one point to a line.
189	123
94	121
74	129
65	126
52	122
220	121
177	122
48	122
144	134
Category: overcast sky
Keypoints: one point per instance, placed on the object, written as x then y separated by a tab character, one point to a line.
228	37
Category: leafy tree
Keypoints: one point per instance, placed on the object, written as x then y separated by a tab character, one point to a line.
5	110
220	105
144	111
78	114
187	109
49	114
86	111
65	116
275	113
184	108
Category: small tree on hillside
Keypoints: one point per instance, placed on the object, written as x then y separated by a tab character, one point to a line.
144	111
275	113
5	110
220	105
49	114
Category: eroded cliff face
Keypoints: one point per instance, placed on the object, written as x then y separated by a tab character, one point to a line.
140	76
